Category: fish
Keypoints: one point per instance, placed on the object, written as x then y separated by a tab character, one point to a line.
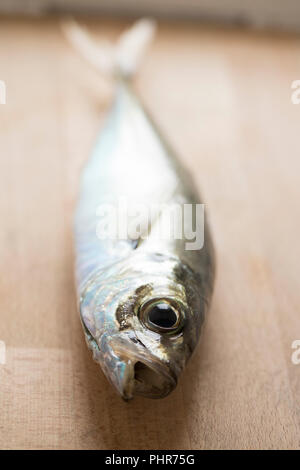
143	297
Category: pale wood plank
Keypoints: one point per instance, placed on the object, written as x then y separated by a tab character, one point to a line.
223	99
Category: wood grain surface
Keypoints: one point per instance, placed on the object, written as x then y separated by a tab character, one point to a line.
223	99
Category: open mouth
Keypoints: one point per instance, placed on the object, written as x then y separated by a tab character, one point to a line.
151	383
141	374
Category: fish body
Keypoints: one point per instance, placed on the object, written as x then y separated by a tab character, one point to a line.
142	299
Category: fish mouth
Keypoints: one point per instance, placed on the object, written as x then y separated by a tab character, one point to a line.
141	373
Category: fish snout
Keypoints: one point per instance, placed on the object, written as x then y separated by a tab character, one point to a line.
135	371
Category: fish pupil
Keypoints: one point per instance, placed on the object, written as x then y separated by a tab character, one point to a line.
162	316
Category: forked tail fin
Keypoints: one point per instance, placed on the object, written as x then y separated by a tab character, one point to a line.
121	58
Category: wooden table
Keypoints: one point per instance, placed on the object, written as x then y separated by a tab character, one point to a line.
223	98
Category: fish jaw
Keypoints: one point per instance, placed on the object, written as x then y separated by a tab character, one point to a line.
132	370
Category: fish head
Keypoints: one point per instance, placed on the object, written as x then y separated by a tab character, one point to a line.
143	318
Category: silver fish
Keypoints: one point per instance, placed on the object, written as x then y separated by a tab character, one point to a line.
143	294
142	302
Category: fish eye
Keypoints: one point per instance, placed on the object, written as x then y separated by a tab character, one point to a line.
161	316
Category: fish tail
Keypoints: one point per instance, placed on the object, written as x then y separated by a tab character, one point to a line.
120	59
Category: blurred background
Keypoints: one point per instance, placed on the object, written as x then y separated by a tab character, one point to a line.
221	79
256	12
